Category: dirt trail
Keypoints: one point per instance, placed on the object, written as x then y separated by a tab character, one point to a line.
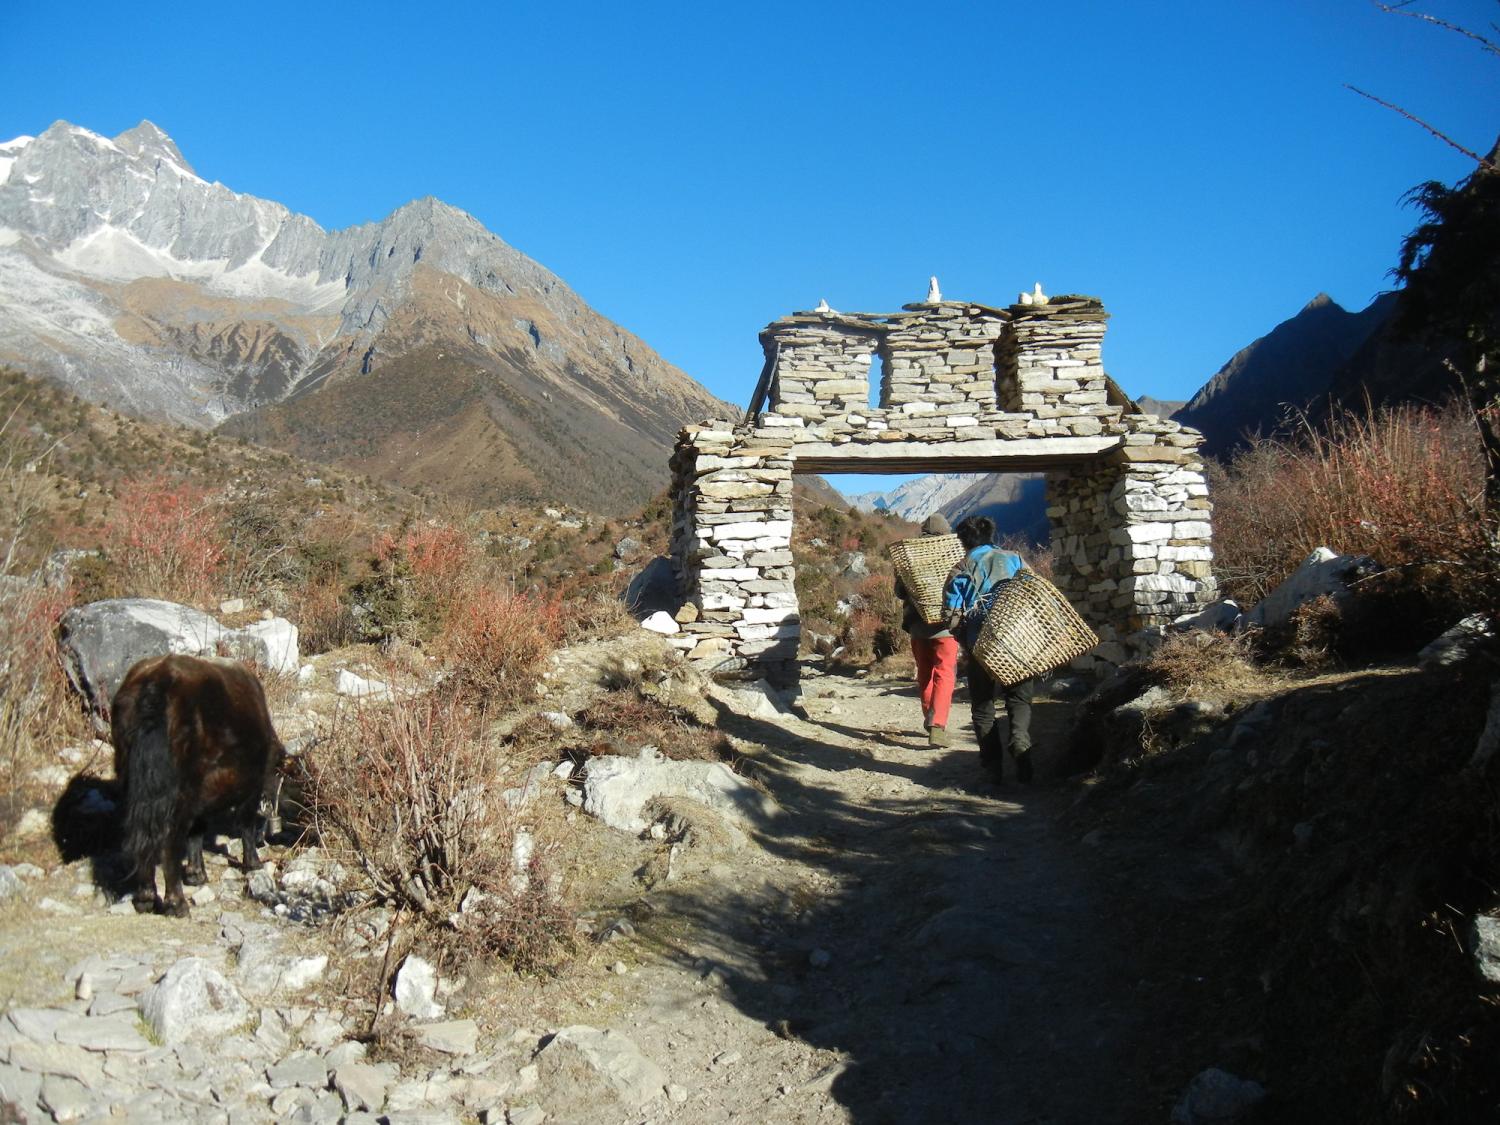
906	943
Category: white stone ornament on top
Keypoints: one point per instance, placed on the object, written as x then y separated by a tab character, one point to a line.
823	306
934	294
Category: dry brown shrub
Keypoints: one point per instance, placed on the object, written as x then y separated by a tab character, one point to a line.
414	794
166	541
36	710
494	642
1314	633
872	630
325	616
1195	663
594	615
633	720
1402	485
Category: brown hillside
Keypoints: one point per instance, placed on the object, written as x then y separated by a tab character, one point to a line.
492	399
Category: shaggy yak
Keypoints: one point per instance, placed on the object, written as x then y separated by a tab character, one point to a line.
194	747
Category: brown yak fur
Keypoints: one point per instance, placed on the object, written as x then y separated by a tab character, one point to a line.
194	747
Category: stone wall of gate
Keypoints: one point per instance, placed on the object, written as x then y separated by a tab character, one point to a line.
963	387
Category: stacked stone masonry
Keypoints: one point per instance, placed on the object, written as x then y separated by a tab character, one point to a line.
965	387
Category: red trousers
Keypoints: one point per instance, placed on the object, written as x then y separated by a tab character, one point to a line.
937	670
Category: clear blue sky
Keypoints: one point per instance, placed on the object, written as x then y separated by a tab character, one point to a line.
696	170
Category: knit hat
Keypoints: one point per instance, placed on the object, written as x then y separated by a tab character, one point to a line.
937	524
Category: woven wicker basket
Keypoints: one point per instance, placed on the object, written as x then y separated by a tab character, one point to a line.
1030	630
923	566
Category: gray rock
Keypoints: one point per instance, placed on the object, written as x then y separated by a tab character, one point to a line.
100	641
108	1003
1322	572
351	1052
66	1099
301	1068
272	644
1216	1097
1484	945
653	590
260	885
322	1032
58	1058
451	1037
580	1066
757	701
1458	643
416	989
19	1087
661	622
273	1032
118	1032
1222	616
10	882
39	1024
852	564
617	789
361	1086
193	999
525	1115
966	932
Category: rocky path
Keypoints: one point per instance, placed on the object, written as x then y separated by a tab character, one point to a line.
899	941
909	943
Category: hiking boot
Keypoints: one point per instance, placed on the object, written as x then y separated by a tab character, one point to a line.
1023	767
937	736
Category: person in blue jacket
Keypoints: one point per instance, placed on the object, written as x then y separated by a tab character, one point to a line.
967	596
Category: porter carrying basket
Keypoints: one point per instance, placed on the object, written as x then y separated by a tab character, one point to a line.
1030	630
923	566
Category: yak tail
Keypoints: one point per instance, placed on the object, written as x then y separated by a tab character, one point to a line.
150	781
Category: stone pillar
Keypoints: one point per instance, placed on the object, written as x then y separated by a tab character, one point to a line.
732	531
822	364
1048	365
939	361
1131	534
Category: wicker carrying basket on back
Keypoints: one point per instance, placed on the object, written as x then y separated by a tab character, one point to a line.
923	566
1030	630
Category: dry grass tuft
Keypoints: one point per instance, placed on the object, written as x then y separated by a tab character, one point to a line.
36	710
414	794
1194	663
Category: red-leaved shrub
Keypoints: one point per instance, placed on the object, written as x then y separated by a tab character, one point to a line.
165	540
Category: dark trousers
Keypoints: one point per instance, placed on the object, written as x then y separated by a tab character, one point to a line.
1017	699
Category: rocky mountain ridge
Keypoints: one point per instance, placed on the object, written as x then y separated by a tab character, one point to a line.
1291	368
1015	501
128	278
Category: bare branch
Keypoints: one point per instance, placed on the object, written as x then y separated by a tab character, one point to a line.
1400	10
1438	133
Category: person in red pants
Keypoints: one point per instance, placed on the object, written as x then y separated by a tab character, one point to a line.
935	651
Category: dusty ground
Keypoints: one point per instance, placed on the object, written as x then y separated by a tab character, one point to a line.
900	941
977	968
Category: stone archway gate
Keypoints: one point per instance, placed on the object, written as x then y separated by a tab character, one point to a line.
963	388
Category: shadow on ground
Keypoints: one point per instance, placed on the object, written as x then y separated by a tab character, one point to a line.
953	947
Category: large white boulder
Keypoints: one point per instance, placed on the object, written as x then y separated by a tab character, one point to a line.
617	789
101	640
193	1001
1322	572
271	643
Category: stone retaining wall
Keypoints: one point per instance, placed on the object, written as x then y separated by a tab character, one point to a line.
967	388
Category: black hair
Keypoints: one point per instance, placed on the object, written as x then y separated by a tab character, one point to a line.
975	531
